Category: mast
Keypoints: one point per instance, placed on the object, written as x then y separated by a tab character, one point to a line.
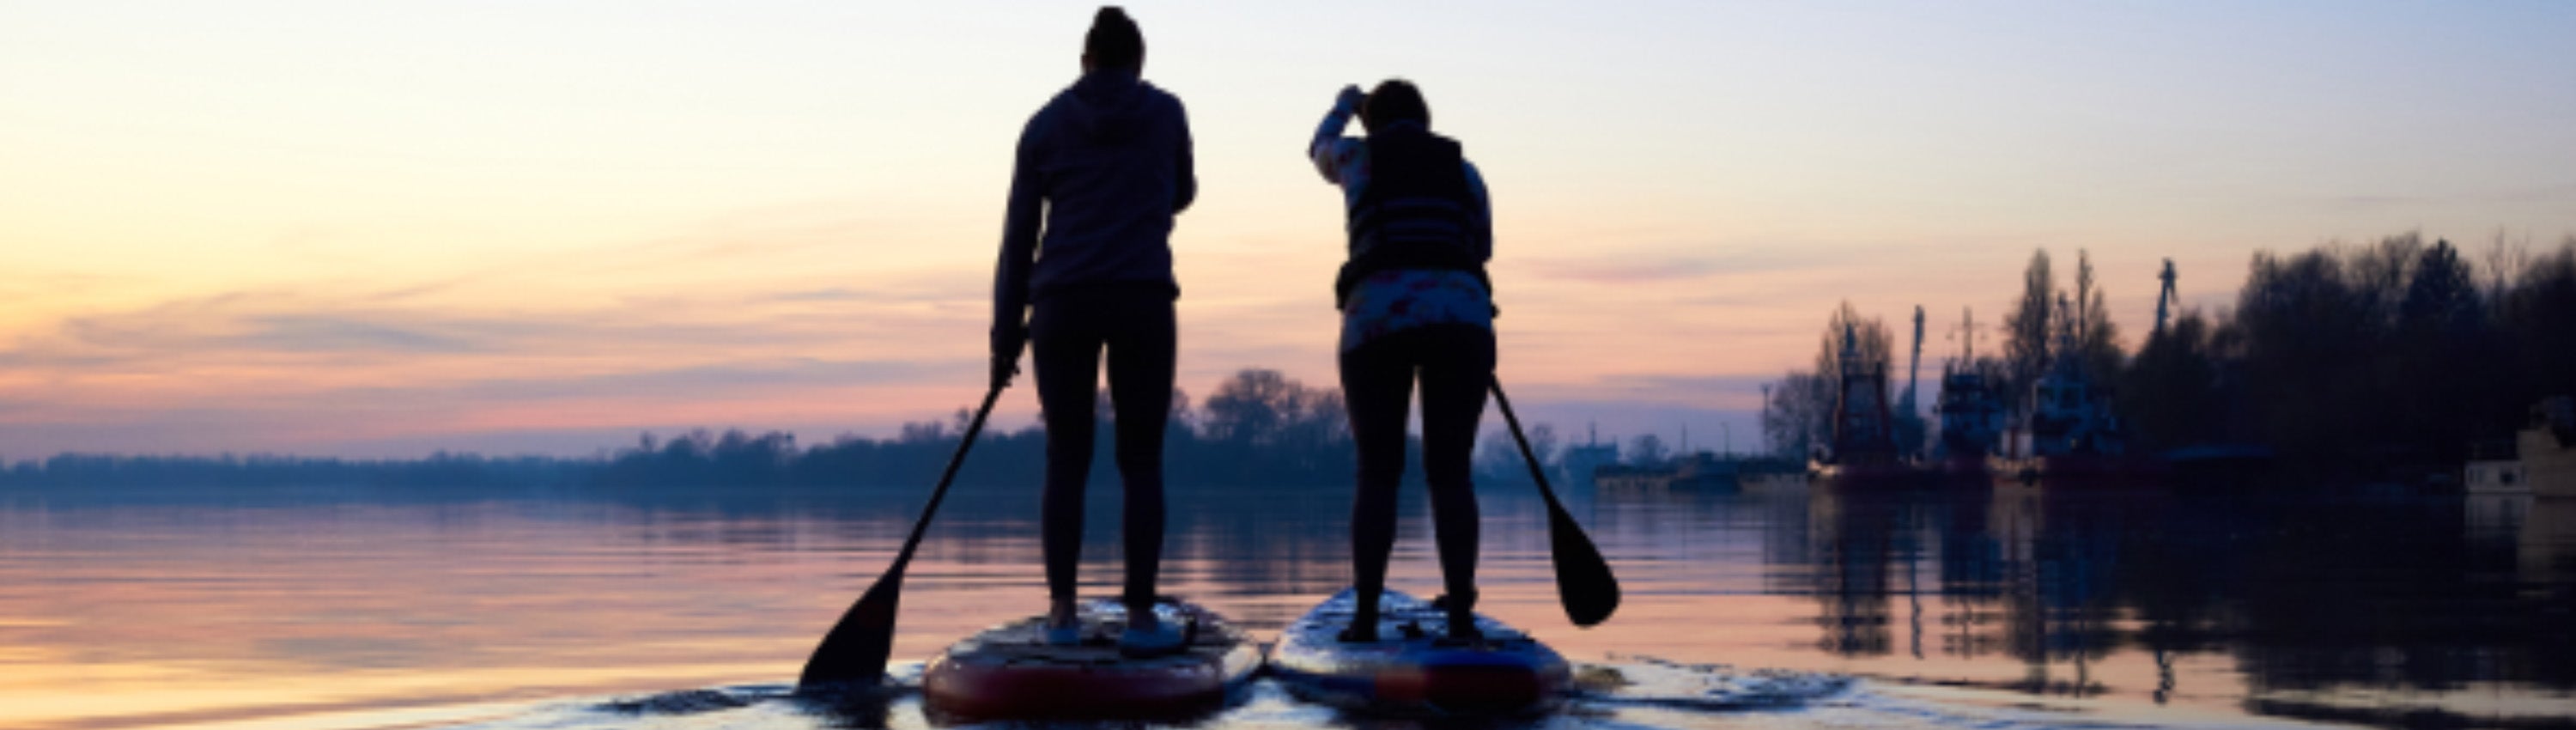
1914	363
1765	423
2070	334
2083	309
2165	297
1968	333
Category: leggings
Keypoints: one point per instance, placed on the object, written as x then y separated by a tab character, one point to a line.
1067	333
1455	363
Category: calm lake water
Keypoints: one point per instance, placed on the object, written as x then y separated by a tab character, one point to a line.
1797	608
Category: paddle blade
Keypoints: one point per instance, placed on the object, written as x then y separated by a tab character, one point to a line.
853	655
1583	580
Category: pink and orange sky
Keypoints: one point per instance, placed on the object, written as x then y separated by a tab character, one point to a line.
379	229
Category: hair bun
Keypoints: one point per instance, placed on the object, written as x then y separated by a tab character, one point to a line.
1114	41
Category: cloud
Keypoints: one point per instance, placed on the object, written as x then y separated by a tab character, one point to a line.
302	333
299	368
1681	263
831	294
1686	383
1627	272
291	321
914	290
2373	202
554	351
542	412
710	380
36	286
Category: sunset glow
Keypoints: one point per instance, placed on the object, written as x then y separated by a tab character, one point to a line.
382	229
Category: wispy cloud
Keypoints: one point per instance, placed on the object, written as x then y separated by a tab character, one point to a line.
711	380
1650	268
290	367
1686	383
301	333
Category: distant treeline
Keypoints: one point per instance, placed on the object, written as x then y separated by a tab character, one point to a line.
2390	355
442	471
2394	356
1257	428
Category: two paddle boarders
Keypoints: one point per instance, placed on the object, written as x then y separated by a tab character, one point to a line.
1086	268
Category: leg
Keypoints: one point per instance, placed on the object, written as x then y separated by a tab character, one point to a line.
1141	358
1067	358
1458	366
1377	385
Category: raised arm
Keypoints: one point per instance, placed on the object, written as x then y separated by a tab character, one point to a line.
1328	136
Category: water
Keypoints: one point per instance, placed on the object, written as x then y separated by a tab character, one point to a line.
1802	608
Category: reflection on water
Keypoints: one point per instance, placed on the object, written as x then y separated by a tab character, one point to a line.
352	612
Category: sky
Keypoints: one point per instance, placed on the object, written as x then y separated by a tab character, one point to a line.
382	229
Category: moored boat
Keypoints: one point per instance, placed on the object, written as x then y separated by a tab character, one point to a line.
1865	455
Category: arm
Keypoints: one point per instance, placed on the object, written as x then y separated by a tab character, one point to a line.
1482	228
1020	221
1321	148
1186	183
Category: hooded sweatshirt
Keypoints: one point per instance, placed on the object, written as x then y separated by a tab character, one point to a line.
1107	162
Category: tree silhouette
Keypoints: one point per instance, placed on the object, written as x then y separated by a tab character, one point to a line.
2027	330
1647	450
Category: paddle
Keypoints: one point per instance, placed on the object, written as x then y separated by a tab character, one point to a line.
853	655
1583	580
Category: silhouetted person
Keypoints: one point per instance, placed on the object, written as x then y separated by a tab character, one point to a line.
1107	162
1416	304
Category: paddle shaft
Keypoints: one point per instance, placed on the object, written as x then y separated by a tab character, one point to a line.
1537	473
947	476
854	652
1584	583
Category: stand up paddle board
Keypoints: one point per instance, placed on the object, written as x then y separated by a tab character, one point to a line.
1414	668
1009	671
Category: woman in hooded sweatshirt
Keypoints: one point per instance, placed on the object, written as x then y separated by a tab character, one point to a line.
1416	305
1107	164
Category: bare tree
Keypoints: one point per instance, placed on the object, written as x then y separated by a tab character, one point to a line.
2027	329
2506	258
2097	340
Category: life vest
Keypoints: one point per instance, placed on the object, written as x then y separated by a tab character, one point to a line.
1417	213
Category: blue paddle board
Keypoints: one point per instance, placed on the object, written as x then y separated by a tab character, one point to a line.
1414	668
